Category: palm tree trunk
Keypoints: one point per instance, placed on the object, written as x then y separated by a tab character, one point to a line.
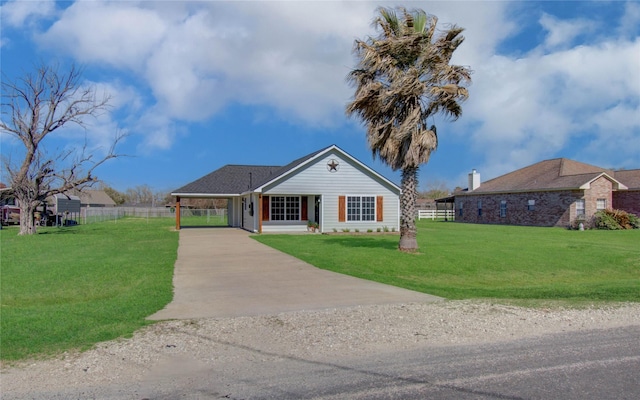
409	184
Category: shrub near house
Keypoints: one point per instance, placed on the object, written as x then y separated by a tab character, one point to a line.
614	220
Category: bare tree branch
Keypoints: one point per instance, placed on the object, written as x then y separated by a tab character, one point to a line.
36	105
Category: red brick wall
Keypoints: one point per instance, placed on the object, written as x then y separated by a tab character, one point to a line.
628	200
550	209
553	208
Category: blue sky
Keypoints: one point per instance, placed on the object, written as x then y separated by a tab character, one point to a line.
197	85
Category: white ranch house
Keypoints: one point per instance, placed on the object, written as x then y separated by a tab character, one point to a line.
328	187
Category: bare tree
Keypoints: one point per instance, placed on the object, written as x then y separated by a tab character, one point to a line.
140	195
435	189
33	107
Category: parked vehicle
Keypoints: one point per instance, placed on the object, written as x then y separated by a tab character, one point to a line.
10	215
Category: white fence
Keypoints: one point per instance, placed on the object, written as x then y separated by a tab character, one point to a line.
99	214
436	214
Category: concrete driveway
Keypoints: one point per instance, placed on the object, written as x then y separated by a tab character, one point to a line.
221	272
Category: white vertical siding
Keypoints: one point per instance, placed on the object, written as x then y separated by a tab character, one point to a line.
235	214
251	222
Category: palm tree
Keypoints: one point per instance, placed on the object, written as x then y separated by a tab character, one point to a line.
403	77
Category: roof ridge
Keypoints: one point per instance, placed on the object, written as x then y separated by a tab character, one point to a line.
251	165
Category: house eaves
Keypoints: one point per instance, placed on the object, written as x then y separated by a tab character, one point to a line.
549	175
617	185
205	195
227	181
586	185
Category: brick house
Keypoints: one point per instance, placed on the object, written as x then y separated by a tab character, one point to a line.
554	192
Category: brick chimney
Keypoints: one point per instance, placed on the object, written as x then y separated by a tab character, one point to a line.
474	180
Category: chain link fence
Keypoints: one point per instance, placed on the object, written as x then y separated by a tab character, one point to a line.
188	217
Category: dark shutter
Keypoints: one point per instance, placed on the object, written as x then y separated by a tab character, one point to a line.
304	208
379	209
342	208
265	208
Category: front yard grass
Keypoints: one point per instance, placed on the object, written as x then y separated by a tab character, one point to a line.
68	288
463	261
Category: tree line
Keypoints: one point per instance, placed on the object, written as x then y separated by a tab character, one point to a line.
144	195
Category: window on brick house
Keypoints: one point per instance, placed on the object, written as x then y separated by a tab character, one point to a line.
601	204
503	208
531	205
460	209
479	208
580	207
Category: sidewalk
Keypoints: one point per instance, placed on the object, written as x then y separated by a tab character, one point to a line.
221	272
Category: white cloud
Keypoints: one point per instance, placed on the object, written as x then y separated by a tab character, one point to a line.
630	19
561	33
117	33
532	108
197	58
17	13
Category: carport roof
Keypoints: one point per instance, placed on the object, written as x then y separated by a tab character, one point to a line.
233	180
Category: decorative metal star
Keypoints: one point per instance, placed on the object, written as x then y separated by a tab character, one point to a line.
333	166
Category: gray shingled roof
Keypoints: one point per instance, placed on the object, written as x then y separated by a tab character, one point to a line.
237	179
558	173
230	179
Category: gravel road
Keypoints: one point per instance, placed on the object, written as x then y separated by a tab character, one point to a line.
319	335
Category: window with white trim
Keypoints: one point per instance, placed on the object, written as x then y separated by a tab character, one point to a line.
285	208
503	208
580	207
601	204
361	208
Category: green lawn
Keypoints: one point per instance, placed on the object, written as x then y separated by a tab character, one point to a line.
462	261
69	288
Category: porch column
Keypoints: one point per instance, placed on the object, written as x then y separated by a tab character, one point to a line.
177	213
260	213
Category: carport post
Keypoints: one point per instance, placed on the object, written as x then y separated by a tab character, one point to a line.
177	213
260	213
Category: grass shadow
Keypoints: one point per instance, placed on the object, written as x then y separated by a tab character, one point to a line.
364	242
